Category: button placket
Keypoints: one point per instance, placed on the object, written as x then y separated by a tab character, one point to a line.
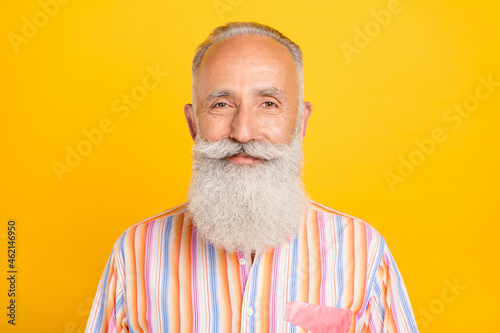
250	318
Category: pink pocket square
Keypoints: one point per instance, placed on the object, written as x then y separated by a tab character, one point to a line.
319	318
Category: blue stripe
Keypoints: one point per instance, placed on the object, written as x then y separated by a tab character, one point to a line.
214	301
378	260
119	302
104	292
165	272
378	293
292	296
402	293
339	231
254	272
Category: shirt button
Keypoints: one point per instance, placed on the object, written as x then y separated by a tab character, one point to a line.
249	311
242	261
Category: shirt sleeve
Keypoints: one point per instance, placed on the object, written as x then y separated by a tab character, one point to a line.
108	309
389	305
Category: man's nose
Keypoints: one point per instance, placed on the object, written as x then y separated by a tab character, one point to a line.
243	126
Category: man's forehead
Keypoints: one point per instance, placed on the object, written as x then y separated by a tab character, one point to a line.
246	51
252	45
259	63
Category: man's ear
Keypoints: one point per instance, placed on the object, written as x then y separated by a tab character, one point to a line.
190	119
306	113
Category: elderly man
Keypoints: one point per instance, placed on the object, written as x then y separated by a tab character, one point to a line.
249	252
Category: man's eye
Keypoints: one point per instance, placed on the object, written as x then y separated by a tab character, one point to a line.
220	105
269	104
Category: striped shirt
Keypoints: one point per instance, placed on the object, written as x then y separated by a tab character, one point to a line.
336	275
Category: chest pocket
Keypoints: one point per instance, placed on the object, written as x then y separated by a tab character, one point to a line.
320	318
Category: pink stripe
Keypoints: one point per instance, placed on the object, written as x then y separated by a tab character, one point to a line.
322	246
194	280
274	289
147	267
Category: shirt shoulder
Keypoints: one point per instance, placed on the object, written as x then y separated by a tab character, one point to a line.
336	215
177	210
138	231
357	230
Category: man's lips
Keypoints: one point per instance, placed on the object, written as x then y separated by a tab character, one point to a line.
243	159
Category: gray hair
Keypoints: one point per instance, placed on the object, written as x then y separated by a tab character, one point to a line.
244	28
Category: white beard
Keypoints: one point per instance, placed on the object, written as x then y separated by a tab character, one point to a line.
246	207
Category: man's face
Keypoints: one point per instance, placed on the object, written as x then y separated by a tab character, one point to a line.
246	190
247	89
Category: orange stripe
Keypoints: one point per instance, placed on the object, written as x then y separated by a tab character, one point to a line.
333	268
130	273
266	266
315	257
360	268
348	263
140	237
234	283
112	291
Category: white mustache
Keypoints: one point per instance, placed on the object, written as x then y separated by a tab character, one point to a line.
223	148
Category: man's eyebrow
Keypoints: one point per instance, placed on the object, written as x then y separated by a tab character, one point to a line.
264	91
270	91
219	93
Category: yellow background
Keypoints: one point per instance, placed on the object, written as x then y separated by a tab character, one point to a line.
369	108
